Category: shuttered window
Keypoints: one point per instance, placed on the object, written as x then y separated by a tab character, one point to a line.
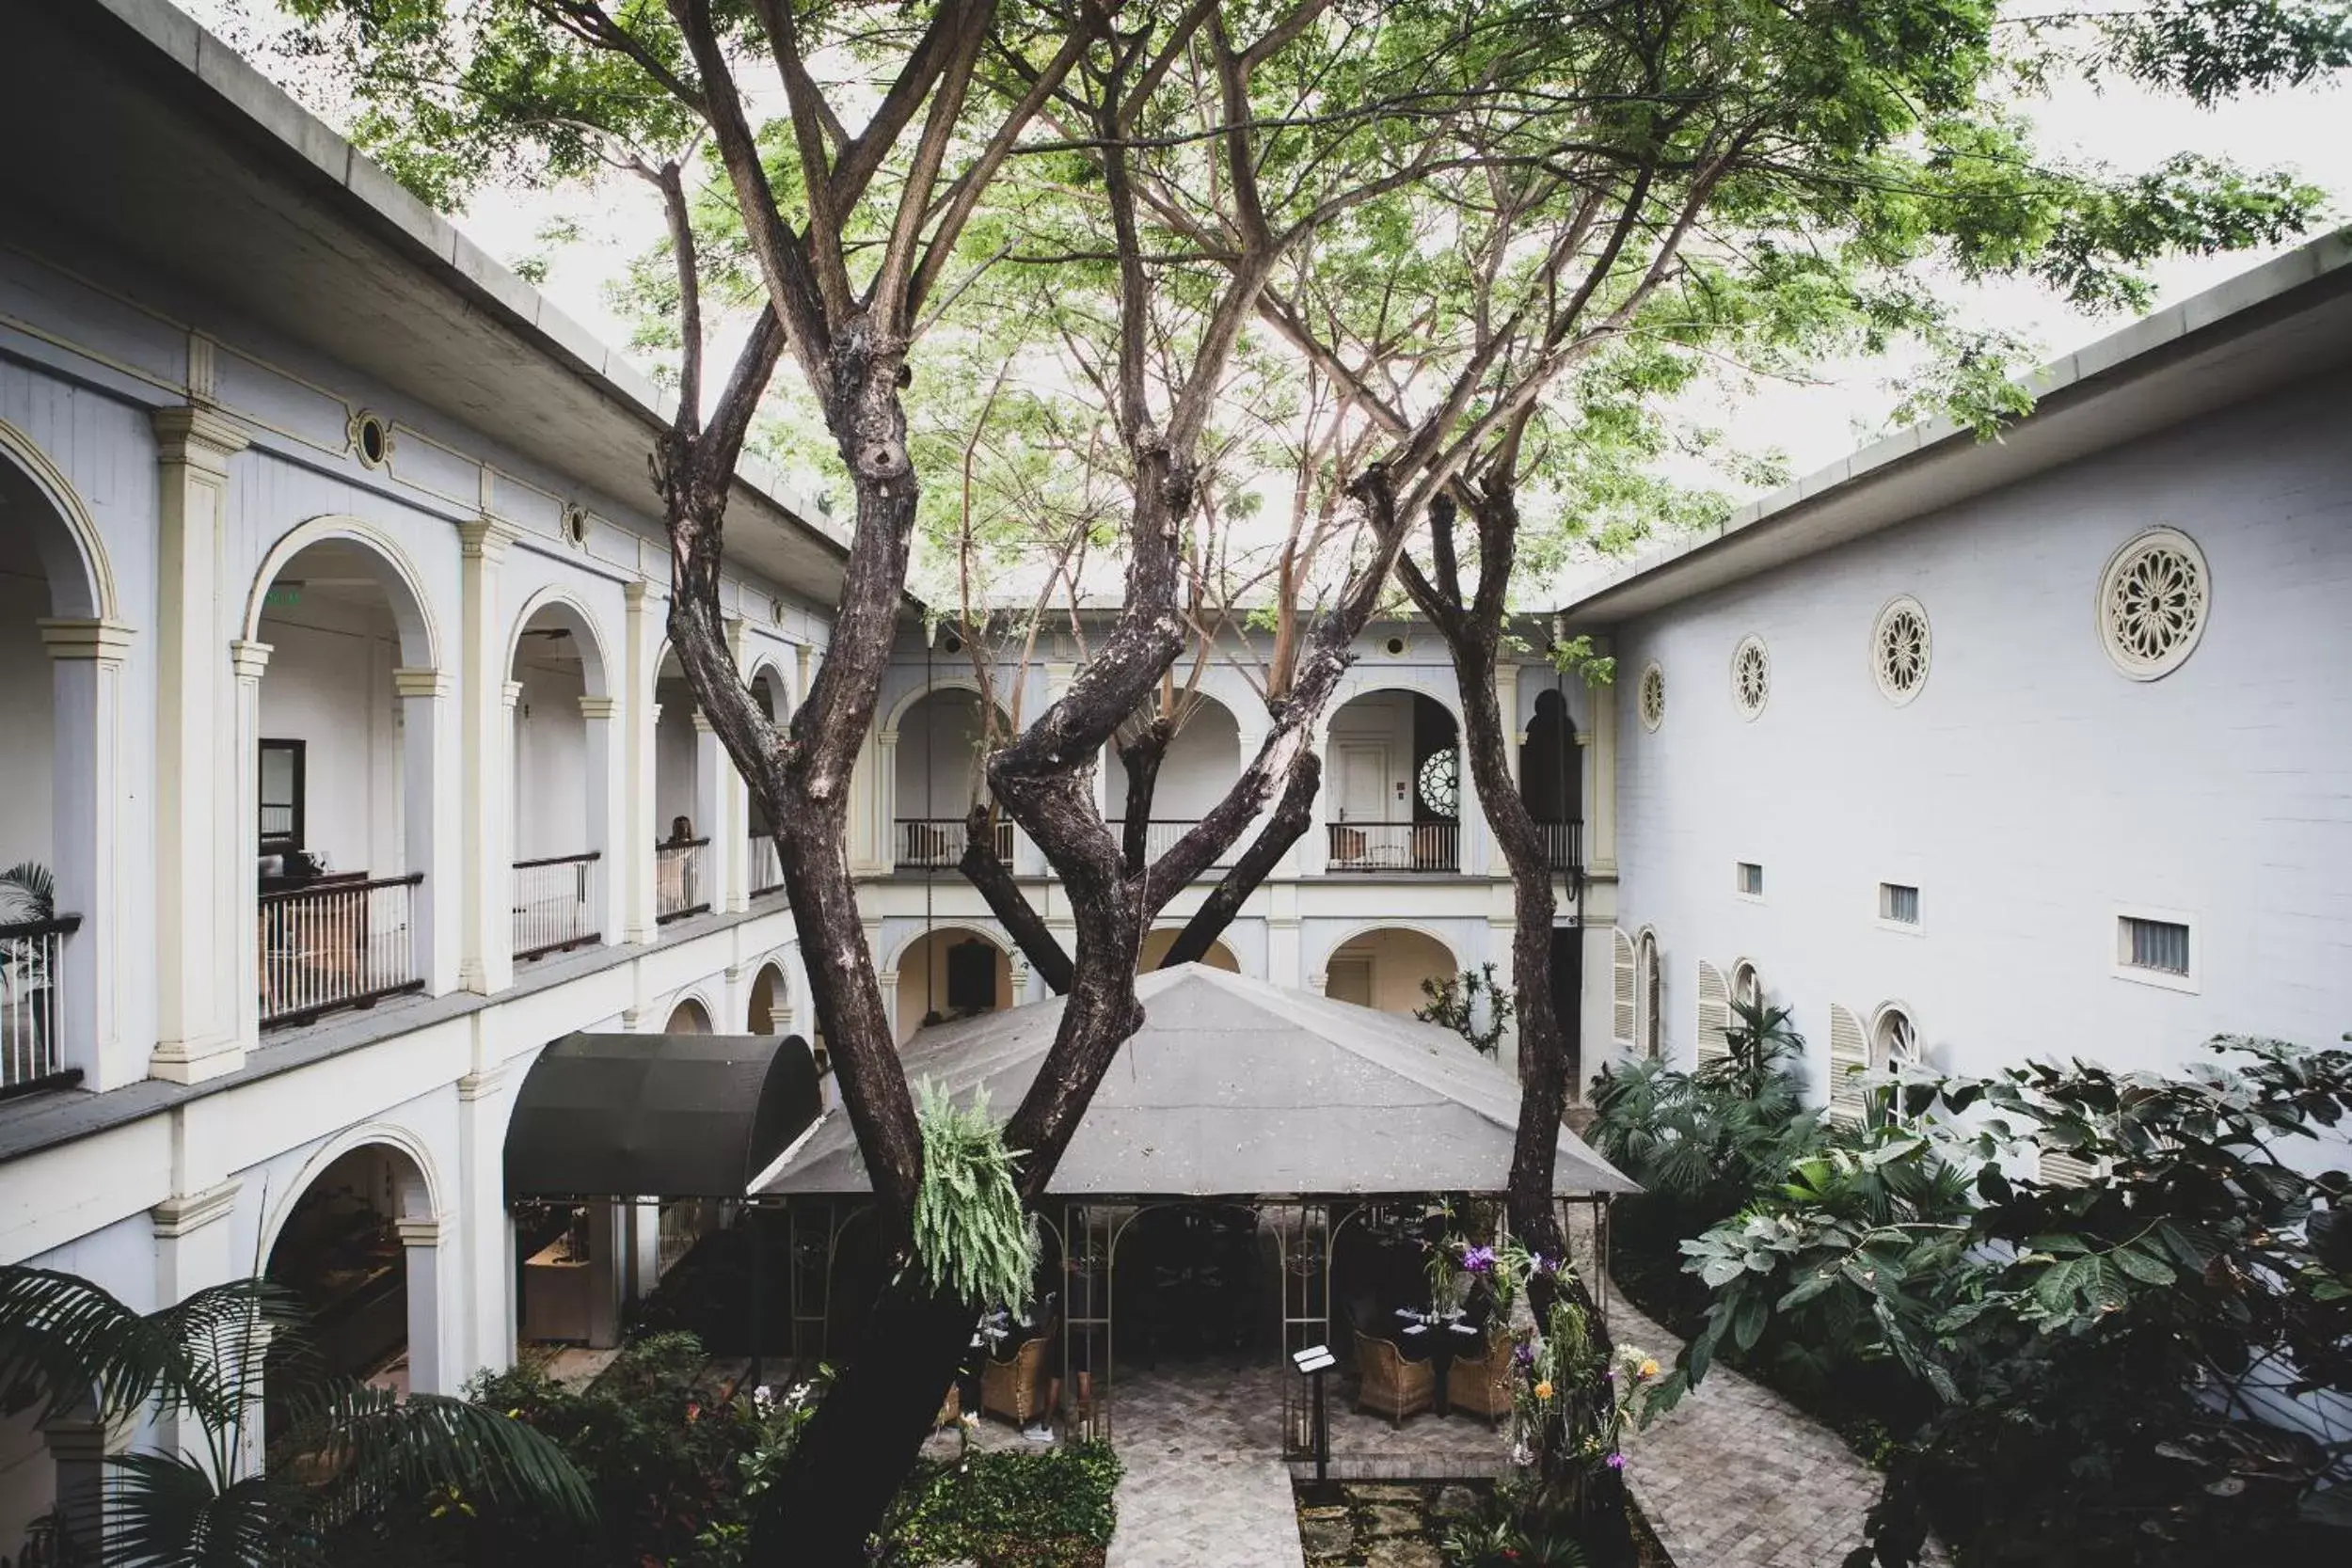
2158	944
1848	1055
1651	977
1621	989
1714	1013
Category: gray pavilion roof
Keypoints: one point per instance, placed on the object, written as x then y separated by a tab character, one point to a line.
1237	1087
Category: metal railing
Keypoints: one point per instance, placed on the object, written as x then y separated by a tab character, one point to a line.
1563	845
555	904
337	944
764	867
938	841
32	964
1390	847
1160	834
681	879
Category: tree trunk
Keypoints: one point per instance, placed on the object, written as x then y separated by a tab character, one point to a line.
986	870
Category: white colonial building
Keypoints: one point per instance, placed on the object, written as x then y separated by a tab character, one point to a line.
1973	751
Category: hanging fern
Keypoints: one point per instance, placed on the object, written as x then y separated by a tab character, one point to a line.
971	1235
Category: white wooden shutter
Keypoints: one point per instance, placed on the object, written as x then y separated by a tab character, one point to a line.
1714	1013
1621	983
2064	1170
1848	1054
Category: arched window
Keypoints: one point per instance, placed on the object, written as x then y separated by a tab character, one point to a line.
1650	980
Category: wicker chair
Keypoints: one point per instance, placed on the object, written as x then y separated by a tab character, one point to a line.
1009	1388
1388	1384
1481	1384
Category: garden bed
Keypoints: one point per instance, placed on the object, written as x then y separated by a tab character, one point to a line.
1421	1524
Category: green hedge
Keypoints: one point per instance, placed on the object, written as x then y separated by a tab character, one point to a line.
1010	1510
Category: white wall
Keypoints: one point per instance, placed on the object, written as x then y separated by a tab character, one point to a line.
1381	718
674	761
2030	788
1201	765
27	708
939	761
550	760
330	684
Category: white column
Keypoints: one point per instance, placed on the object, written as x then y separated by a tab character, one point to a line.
484	900
1600	783
635	867
486	1304
246	660
428	1366
1311	856
86	794
428	781
193	1251
888	980
880	800
600	759
1514	738
734	850
196	863
711	772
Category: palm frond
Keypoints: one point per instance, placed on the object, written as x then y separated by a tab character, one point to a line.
63	1340
221	1337
359	1445
30	884
167	1510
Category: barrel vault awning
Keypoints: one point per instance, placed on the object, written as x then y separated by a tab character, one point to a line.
658	1116
1235	1087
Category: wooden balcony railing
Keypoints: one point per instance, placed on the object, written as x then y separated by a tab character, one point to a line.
339	941
766	868
555	904
1396	847
1563	845
938	841
681	879
32	962
1160	835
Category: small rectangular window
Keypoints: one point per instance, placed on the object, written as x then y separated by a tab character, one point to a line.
1898	903
2161	945
1751	880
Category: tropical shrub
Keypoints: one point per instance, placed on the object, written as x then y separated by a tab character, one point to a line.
2103	1367
1455	1002
1008	1510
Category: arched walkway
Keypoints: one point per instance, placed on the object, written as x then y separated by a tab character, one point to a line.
953	971
563	749
690	1016
1552	779
1157	941
1202	764
343	806
686	773
937	776
359	1247
772	1001
1385	968
763	871
1392	785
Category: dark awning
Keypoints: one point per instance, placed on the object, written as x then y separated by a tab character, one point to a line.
658	1116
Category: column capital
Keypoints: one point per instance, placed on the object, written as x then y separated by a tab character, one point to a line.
198	436
107	642
599	707
702	723
182	1215
423	681
488	539
481	1086
640	592
510	693
414	1234
249	658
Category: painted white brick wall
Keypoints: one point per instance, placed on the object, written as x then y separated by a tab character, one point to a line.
2031	789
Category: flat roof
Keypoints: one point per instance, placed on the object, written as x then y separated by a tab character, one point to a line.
2281	322
138	132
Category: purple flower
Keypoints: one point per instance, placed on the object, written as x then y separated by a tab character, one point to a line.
1545	1265
1616	1462
1524	1356
1478	1259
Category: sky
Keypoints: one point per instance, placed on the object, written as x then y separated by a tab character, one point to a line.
2126	127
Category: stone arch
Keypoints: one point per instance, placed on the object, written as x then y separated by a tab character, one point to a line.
1159	939
933	688
403	586
420	1200
1376	985
1369	927
987	930
560	606
695	1009
81	579
915	992
770	1001
769	660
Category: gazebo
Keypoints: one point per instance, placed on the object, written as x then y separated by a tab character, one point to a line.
1236	1093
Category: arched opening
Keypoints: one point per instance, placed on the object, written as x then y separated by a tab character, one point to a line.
685	796
772	1001
1392	784
358	1249
1649	982
1157	941
562	724
1202	760
939	776
762	867
949	974
1552	780
50	797
1894	1039
1747	984
690	1016
1384	969
347	716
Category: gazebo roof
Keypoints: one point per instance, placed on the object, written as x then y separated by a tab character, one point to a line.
1237	1088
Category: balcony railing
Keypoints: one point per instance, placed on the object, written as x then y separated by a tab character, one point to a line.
555	904
938	841
1160	835
32	962
338	942
681	879
1396	847
766	867
1563	845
